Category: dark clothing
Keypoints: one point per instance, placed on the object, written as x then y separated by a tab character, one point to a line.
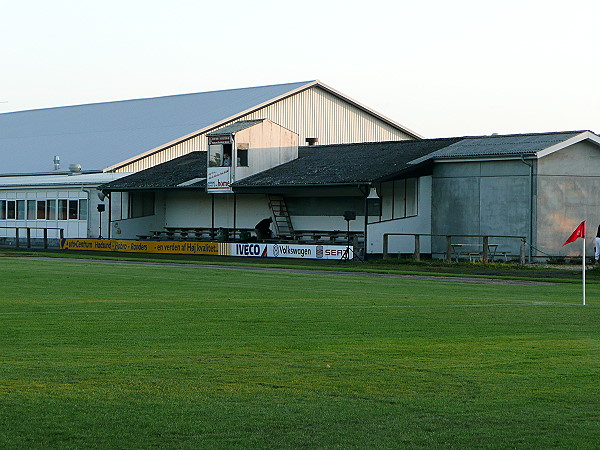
263	228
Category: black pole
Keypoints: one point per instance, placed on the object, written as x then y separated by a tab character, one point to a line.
366	219
109	214
212	223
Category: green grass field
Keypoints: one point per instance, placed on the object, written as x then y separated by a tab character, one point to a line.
136	356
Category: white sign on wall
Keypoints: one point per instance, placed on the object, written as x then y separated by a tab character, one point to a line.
255	249
218	179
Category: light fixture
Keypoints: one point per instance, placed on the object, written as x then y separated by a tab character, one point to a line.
373	193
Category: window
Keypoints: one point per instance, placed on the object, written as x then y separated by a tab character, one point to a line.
62	210
20	209
141	204
73	206
31	210
2	209
51	209
242	155
83	209
215	155
41	209
11	209
405	198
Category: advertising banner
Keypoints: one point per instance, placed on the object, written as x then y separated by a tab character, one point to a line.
290	251
218	179
189	248
251	249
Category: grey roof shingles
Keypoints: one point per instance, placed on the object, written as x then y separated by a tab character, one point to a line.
500	145
341	164
167	175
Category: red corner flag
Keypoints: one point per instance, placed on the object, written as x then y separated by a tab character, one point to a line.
578	233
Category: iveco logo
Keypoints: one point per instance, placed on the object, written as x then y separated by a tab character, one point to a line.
275	250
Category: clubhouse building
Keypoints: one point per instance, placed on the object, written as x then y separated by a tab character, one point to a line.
326	169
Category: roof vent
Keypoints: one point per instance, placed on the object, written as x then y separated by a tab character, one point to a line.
312	141
74	169
56	162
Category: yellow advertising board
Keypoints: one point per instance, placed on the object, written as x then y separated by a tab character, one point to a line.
130	246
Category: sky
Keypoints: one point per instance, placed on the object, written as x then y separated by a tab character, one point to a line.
440	68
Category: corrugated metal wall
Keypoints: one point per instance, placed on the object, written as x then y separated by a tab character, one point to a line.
310	113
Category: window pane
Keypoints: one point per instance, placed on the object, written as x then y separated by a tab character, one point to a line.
21	209
73	204
83	209
242	154
41	209
31	210
51	209
62	210
141	204
2	209
215	153
10	209
411	197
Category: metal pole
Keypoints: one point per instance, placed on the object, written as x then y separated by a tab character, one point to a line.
109	214
448	249
212	223
583	269
366	220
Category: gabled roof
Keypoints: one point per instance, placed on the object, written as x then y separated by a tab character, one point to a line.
500	146
99	135
108	135
352	164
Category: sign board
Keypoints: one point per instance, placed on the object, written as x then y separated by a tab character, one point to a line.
251	249
299	251
130	246
215	140
218	179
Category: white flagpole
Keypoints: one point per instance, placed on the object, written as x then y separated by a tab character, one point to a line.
583	272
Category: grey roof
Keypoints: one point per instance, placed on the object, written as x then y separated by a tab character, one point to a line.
500	145
91	179
185	172
344	164
102	134
235	127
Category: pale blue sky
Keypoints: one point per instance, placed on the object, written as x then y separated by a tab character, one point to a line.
440	68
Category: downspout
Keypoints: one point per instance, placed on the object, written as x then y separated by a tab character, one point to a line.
530	237
366	194
87	232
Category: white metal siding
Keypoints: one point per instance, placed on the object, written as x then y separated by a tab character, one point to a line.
311	113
